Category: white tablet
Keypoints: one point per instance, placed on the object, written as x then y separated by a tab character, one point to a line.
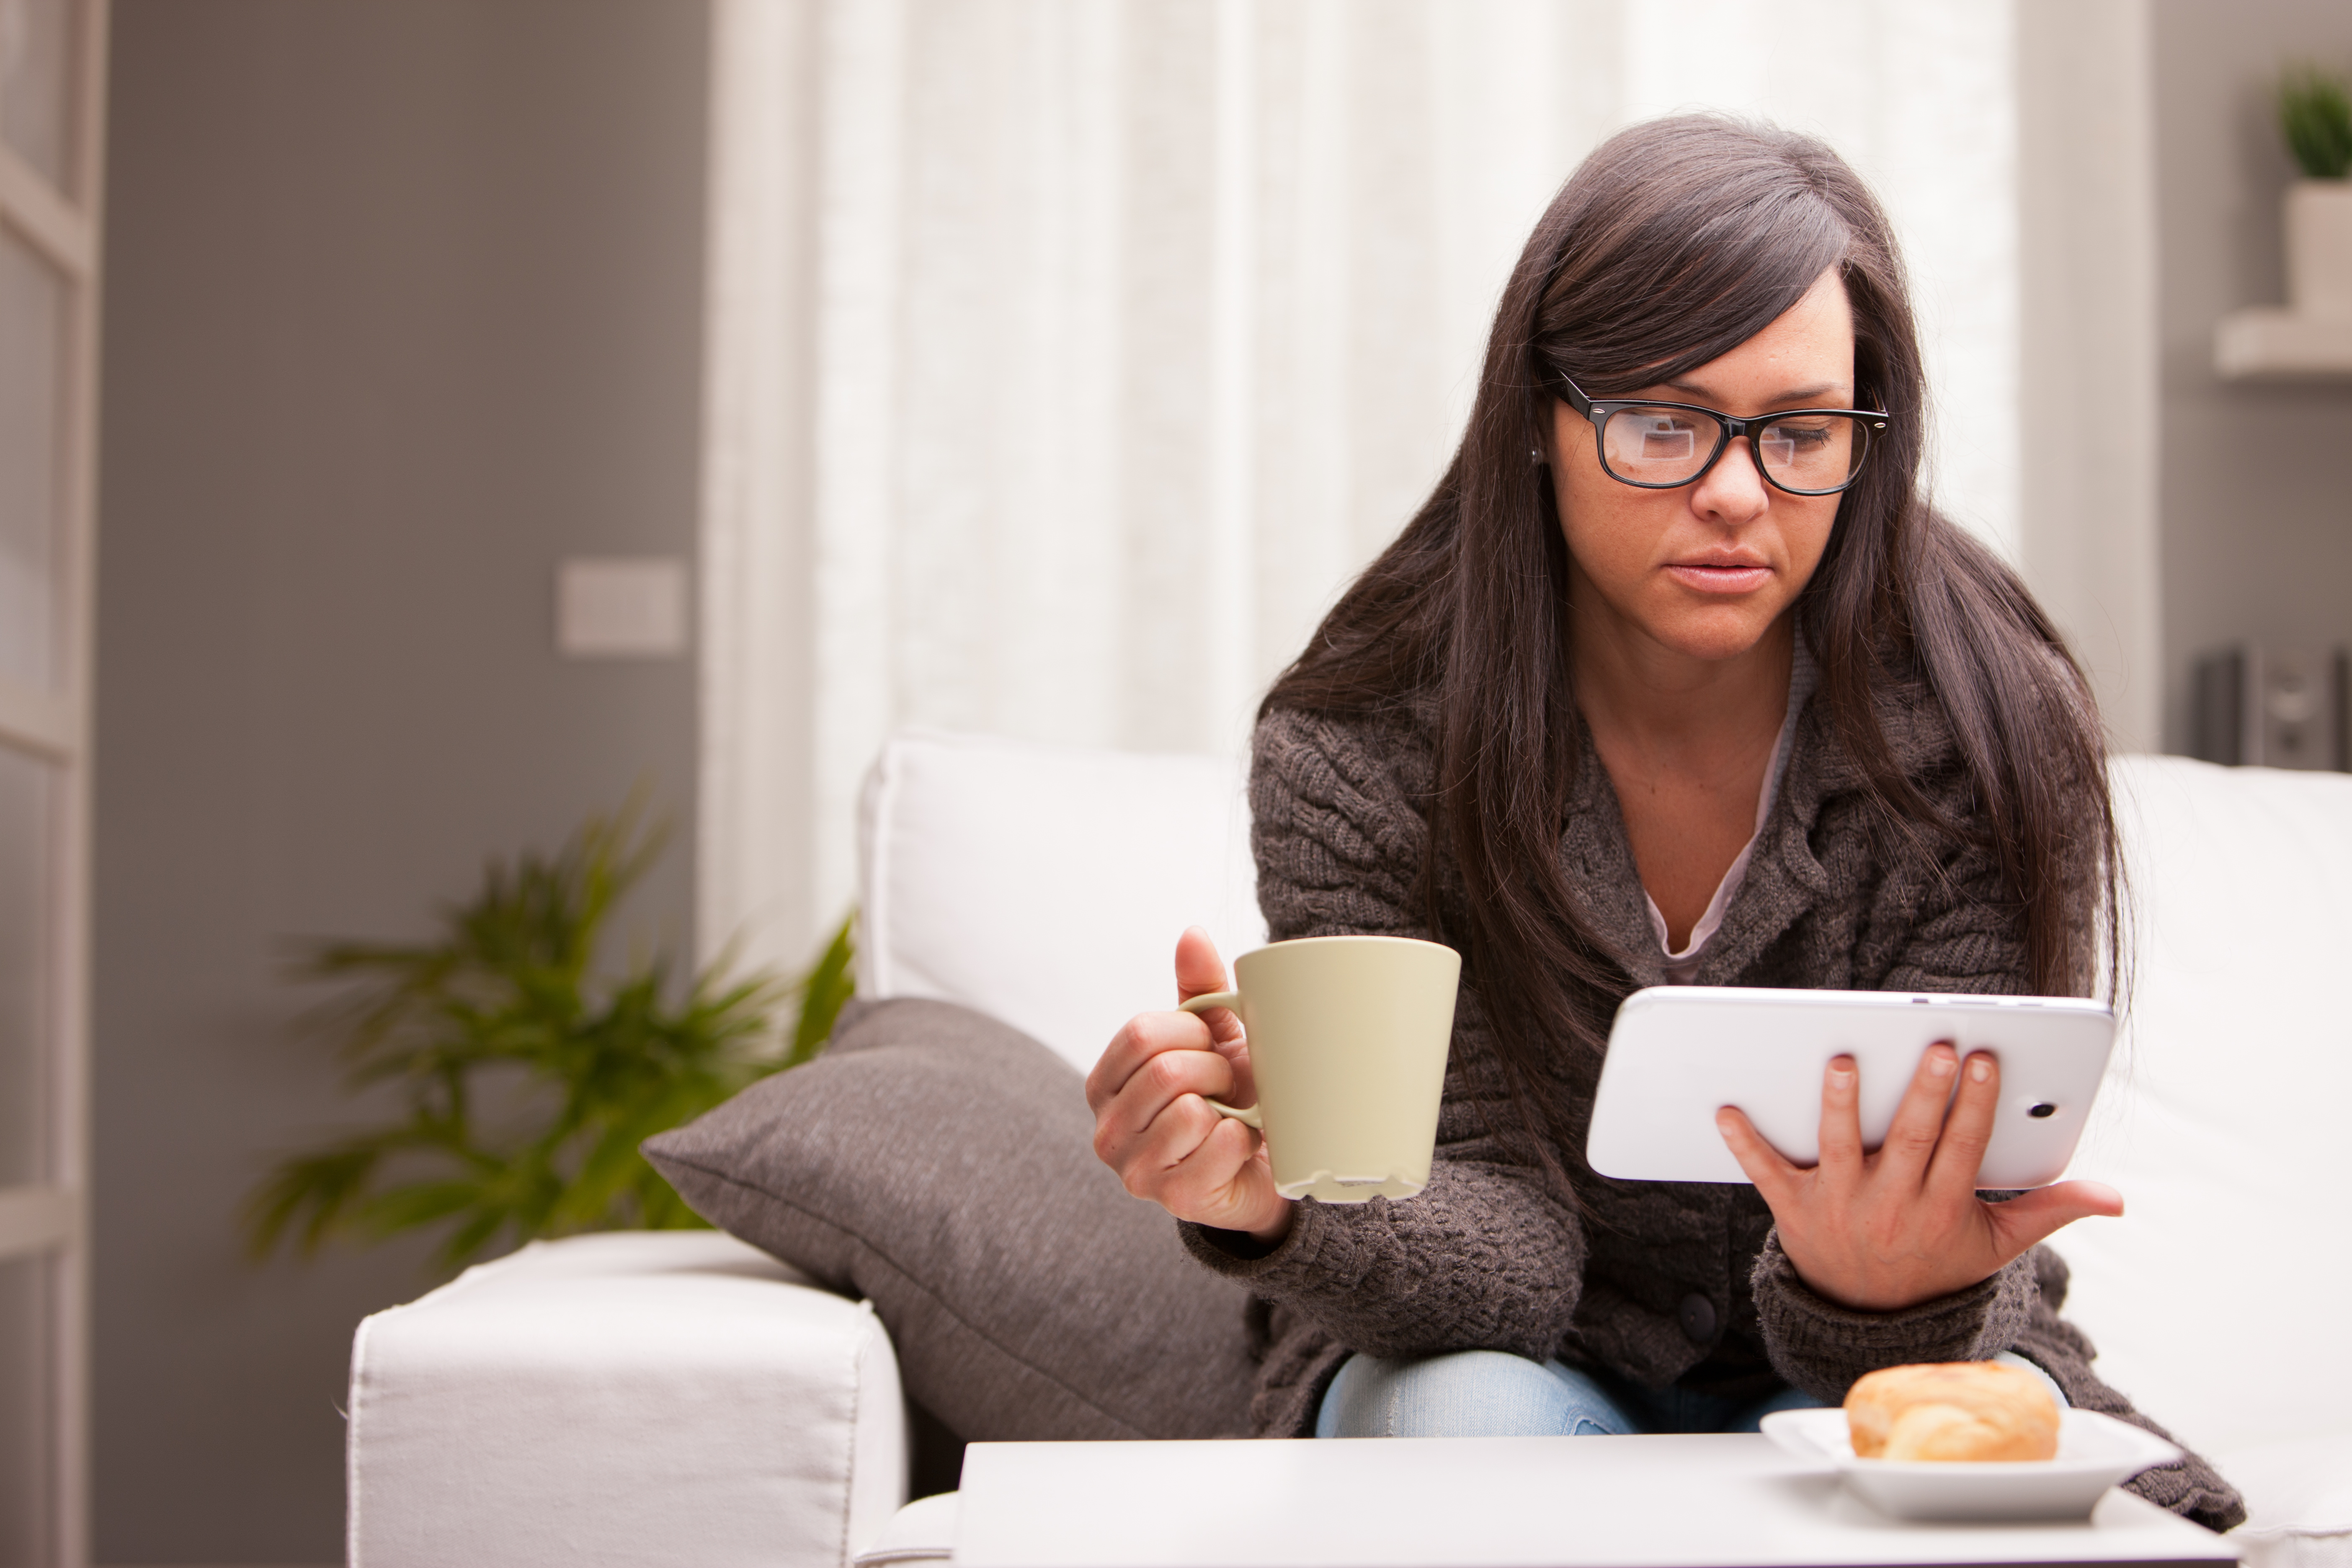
1678	1053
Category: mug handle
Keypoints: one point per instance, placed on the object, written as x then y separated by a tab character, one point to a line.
1232	1002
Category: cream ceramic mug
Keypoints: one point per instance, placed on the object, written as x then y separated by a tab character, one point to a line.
1347	1040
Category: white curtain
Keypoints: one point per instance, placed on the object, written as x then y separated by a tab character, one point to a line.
1065	357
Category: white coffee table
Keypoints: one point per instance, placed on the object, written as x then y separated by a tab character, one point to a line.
1730	1501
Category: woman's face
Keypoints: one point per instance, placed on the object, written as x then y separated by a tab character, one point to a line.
1704	570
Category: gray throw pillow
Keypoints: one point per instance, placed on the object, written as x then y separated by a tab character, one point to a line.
941	1164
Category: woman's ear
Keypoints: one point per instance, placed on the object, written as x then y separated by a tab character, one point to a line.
1539	449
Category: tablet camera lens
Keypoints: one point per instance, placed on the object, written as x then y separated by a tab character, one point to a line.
2041	1110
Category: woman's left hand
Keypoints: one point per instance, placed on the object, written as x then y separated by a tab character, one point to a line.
1879	1232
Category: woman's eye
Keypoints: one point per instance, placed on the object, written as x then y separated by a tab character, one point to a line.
1801	437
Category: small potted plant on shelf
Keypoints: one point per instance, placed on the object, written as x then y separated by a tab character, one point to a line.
2315	111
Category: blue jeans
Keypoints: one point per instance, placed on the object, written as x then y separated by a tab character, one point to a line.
1492	1393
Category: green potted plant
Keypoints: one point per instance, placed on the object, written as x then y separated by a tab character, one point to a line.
2315	109
526	1066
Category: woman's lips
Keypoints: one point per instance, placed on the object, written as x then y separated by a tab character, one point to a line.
1724	578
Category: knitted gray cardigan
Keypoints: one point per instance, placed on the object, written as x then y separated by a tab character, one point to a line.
1653	1282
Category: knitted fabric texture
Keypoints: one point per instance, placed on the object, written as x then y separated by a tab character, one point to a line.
1491	1255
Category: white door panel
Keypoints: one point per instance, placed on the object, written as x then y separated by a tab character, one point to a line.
51	59
35	297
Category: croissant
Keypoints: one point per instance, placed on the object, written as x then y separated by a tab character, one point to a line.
1967	1410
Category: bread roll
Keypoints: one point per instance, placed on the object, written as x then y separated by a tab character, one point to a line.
1964	1410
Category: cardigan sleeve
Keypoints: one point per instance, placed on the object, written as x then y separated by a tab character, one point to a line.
1822	1347
1489	1256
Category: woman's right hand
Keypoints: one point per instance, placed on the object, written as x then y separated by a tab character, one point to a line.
1153	1122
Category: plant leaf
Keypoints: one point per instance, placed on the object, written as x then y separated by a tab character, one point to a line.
2315	109
527	1075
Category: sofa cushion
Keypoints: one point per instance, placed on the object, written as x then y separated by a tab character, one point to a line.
942	1166
1047	885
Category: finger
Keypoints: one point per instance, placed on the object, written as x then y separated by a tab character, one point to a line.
1201	1166
1174	1136
1146	1040
2035	1216
1918	1122
1243	1093
1141	1037
1840	1135
1967	1128
1111	1069
1774	1176
1159	1083
1198	970
1156	1165
1203	1184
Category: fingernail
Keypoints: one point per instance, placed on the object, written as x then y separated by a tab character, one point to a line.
1980	1070
1841	1076
1939	1063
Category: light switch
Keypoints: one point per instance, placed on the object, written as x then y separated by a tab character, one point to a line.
620	607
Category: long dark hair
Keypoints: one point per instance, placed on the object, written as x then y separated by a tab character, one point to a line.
1674	243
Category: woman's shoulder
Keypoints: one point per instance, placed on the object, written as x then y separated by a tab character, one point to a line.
1337	822
1830	759
1343	759
1915	723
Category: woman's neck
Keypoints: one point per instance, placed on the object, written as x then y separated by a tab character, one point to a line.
1688	745
1678	710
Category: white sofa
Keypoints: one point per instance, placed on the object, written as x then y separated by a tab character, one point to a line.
679	1398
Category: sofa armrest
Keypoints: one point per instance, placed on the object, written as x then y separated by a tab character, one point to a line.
636	1398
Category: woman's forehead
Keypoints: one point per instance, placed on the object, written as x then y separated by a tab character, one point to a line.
1806	353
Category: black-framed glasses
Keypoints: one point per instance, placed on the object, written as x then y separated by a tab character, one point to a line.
1664	445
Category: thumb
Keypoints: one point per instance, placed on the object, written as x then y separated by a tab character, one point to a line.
2032	1216
1198	970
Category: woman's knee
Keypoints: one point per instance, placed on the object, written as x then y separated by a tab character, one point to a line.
1465	1393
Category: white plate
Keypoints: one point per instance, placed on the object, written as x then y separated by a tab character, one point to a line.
2094	1452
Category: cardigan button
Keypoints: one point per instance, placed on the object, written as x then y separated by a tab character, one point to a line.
1696	1315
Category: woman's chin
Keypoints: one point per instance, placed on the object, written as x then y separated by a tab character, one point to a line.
1717	638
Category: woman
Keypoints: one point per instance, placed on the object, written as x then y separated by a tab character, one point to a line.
1674	677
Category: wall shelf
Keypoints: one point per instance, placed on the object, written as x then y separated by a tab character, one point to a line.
2268	343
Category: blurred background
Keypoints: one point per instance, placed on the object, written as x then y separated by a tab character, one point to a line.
423	422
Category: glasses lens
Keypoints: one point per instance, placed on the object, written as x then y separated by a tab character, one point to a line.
1814	452
1658	446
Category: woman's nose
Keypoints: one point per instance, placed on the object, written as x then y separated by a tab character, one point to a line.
1733	490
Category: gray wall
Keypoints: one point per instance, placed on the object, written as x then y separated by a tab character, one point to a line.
403	305
2256	507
